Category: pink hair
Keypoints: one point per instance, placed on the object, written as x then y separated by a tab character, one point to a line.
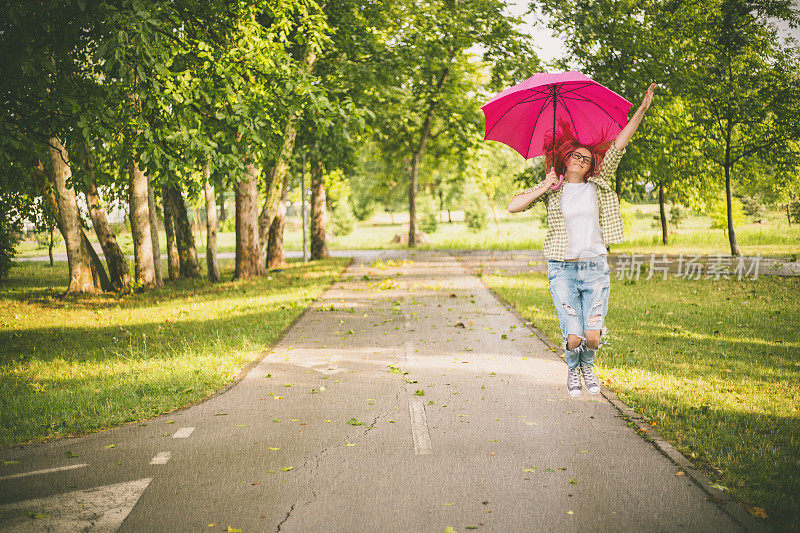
566	143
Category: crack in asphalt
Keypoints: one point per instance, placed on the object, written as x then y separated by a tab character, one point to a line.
286	517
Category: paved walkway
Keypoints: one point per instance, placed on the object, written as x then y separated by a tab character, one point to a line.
495	443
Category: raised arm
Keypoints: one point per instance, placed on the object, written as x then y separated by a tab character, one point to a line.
625	135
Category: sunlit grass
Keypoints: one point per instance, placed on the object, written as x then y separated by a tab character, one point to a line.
713	364
75	365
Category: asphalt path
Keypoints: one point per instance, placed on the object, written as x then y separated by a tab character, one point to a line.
459	417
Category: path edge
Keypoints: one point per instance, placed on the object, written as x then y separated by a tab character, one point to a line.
719	497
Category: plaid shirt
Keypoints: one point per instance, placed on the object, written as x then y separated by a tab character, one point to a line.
555	244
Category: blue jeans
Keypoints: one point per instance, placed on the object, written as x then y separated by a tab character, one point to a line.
580	291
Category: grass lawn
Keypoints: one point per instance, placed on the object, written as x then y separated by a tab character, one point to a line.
713	365
76	365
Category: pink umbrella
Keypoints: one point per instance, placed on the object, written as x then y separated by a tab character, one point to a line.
522	115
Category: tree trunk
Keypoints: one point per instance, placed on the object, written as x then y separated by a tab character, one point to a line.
731	233
276	174
211	227
98	272
415	159
144	270
248	250
81	278
494	214
319	213
663	214
173	260
788	214
50	248
275	255
187	253
151	209
115	259
223	214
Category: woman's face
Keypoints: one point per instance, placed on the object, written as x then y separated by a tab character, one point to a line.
579	165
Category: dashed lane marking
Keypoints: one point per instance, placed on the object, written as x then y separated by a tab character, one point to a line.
182	433
161	458
419	428
46	471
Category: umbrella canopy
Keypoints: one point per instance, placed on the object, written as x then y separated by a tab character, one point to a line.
523	115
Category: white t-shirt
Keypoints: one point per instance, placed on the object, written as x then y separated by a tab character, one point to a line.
582	218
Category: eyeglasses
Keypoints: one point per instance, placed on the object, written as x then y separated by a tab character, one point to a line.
578	157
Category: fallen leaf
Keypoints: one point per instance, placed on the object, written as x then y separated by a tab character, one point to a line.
274	448
531	469
110	446
570	512
234	530
572	481
680	473
758	512
287	468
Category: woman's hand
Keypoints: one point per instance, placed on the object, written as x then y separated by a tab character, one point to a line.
648	97
627	132
550	178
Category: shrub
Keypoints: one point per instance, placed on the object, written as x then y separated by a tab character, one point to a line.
628	217
753	207
343	219
10	227
676	215
475	215
719	213
428	214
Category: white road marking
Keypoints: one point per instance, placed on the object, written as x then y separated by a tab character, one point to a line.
161	458
419	428
46	471
182	433
409	351
96	509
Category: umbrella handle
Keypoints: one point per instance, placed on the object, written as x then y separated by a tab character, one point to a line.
557	184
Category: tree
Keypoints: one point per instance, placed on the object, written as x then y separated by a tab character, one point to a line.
429	76
742	82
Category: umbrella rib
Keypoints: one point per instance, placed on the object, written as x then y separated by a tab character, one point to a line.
507	111
584	99
574	126
573	89
533	130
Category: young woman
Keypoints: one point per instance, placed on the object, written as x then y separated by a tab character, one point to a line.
583	217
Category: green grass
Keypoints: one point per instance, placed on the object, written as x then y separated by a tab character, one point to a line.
76	365
713	364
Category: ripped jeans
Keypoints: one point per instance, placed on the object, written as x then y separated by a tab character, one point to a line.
580	291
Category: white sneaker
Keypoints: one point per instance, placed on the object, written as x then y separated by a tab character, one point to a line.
592	383
574	382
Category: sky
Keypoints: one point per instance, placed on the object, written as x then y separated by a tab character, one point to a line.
551	47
